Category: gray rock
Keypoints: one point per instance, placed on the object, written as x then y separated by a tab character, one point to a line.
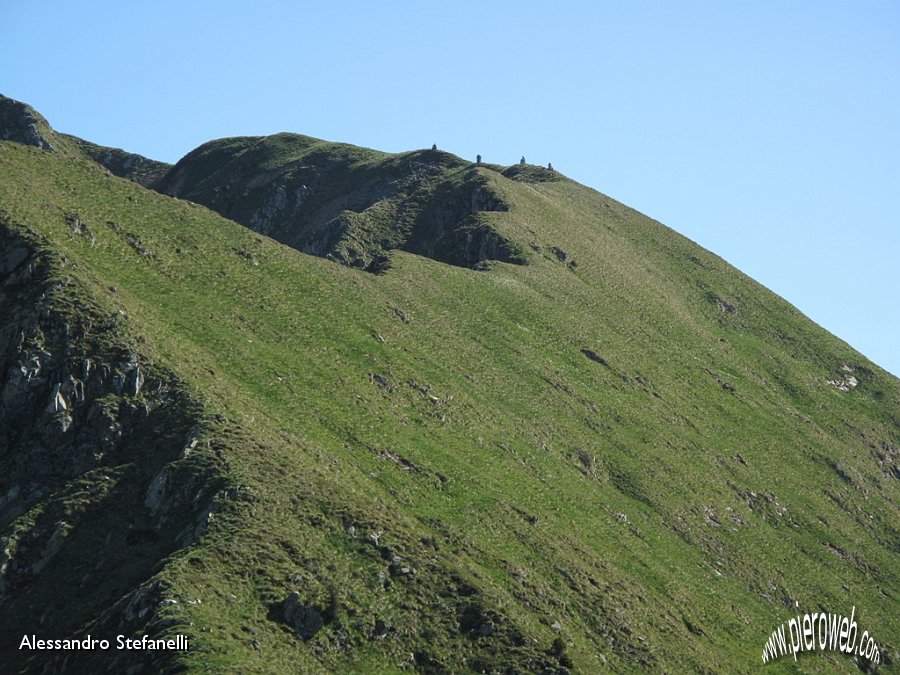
20	123
135	381
57	401
188	449
73	390
305	620
262	219
77	225
560	254
110	437
62	422
724	306
156	491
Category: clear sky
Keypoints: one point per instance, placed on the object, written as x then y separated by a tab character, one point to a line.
768	132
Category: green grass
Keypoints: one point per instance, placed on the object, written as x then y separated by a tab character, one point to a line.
471	461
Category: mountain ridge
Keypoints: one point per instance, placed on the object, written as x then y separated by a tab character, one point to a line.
622	454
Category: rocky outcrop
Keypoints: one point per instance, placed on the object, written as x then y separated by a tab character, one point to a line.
305	620
22	124
105	467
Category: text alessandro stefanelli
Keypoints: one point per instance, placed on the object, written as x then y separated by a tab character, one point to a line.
178	642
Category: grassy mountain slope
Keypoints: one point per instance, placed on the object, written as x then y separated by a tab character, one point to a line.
622	454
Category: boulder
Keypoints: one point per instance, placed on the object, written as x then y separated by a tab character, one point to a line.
305	620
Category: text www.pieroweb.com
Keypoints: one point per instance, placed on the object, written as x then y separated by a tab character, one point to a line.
821	632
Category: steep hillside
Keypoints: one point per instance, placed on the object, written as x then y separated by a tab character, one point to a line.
611	451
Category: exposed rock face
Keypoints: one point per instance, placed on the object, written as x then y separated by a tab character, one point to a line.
95	489
22	124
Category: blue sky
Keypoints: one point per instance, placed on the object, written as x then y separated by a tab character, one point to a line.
768	132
